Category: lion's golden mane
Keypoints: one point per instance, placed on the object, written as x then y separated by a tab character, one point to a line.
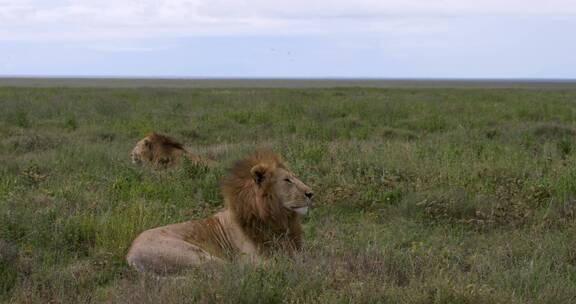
266	222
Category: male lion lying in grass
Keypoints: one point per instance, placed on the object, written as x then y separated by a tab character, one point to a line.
263	201
163	151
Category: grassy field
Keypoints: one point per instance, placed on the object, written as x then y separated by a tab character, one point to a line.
421	195
223	83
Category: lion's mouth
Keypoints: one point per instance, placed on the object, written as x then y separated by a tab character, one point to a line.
300	210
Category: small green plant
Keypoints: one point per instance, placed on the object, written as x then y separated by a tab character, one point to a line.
565	147
8	267
21	119
70	123
192	169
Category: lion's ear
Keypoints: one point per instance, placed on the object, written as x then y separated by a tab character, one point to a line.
258	173
148	143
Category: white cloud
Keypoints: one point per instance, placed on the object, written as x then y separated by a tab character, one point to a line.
129	47
88	19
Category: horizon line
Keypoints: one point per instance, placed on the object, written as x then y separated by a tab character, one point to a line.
331	78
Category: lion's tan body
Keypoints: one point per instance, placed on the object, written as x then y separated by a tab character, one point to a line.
262	202
163	151
171	248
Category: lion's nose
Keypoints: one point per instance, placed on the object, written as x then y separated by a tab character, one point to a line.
309	194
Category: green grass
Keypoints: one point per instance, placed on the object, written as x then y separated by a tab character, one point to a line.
422	195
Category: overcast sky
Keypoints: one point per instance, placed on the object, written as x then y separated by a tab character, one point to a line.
296	38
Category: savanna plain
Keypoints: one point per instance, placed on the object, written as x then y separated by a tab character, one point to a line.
422	195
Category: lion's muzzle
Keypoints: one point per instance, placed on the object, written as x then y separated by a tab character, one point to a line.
135	159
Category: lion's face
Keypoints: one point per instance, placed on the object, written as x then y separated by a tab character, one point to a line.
291	192
142	151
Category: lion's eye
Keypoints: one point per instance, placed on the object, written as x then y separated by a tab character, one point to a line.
287	180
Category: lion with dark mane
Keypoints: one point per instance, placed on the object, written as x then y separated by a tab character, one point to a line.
162	150
263	201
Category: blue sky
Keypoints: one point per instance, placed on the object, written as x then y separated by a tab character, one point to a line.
314	38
